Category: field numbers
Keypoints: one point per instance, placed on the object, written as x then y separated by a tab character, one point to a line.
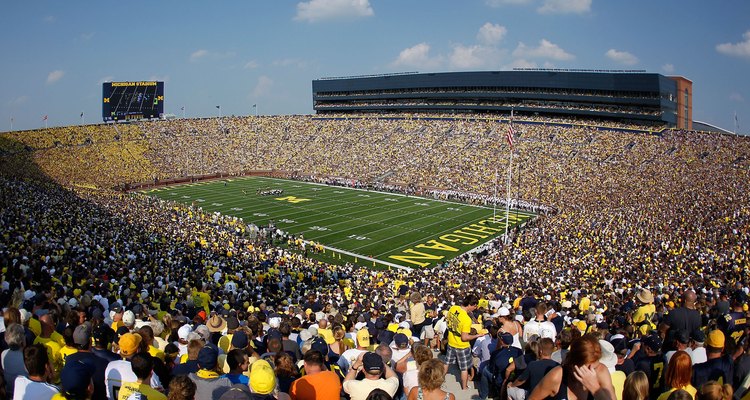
288	221
217	204
260	215
318	228
393	200
200	200
185	197
454	209
236	209
363	195
291	199
357	237
422	204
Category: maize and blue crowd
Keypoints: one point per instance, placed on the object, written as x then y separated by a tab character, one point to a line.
636	287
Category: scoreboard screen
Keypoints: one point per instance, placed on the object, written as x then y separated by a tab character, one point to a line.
132	100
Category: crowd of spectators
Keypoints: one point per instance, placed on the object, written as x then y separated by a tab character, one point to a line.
646	257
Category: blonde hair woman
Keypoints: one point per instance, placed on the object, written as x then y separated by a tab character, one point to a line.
713	390
431	378
636	386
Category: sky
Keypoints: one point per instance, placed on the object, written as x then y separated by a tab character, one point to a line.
234	53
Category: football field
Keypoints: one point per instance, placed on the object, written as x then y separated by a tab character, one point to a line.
364	227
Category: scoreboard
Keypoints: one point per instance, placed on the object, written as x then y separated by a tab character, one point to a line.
132	100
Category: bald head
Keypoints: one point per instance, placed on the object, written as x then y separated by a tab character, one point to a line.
689	298
48	325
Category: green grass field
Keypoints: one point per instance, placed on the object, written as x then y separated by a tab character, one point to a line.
363	226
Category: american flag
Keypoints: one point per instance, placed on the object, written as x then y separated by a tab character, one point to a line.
44	118
509	135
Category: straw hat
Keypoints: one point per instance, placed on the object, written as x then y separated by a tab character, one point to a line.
645	296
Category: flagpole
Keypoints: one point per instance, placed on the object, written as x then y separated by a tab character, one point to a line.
736	123
510	175
494	198
11	124
507	205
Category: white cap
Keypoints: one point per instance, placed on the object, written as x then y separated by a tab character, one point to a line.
502	312
128	318
360	325
184	331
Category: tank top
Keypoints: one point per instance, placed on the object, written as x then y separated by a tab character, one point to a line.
420	396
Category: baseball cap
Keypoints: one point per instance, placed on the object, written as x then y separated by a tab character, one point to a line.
401	340
653	342
208	357
239	340
128	318
372	362
103	334
232	322
506	337
715	339
75	379
698	336
129	344
262	377
319	344
363	337
82	335
184	331
682	336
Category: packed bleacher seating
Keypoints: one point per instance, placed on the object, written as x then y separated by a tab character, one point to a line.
645	259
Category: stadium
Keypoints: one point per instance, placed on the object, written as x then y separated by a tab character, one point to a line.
567	193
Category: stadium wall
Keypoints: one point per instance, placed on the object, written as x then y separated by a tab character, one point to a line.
630	97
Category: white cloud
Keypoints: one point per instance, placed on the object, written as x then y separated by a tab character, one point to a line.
417	56
546	49
500	3
319	10
50	19
203	53
565	7
621	57
476	56
55	76
737	97
290	62
263	86
87	36
198	54
252	64
522	63
491	33
465	57
18	100
740	49
668	68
